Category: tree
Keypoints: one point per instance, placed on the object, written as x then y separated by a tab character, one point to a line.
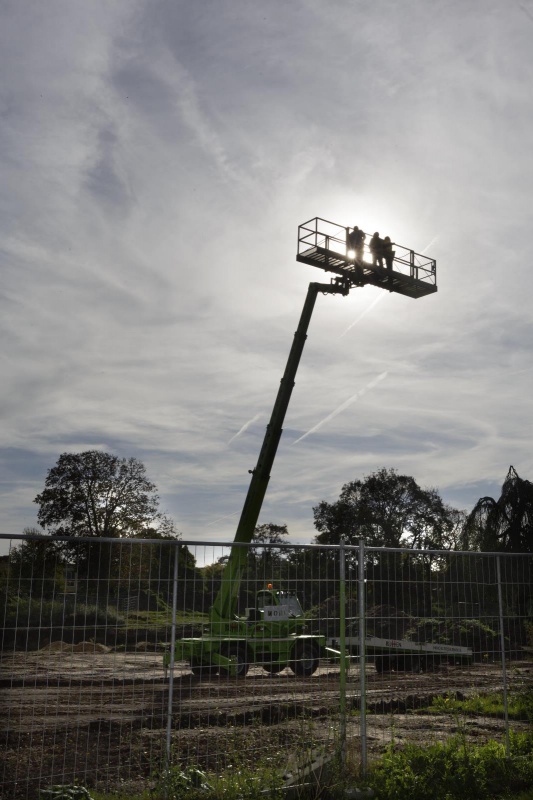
505	524
389	510
35	567
98	494
265	563
268	533
386	510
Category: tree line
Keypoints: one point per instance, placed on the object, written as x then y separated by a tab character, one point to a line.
96	494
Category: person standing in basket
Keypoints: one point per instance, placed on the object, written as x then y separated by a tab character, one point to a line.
350	239
388	252
376	249
358	243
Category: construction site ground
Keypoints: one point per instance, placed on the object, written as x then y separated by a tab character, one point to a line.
100	717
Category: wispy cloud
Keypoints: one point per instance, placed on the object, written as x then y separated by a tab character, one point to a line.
344	405
245	427
220	519
154	169
383	294
363	313
430	245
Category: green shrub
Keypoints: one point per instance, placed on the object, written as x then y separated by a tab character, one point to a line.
65	792
454	770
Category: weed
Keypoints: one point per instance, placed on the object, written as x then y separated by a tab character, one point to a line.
453	770
519	707
176	783
65	792
236	782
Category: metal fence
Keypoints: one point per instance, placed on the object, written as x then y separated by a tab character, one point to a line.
413	646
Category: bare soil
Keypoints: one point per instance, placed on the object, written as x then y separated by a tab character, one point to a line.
100	717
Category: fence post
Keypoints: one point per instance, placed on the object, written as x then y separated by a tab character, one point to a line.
172	655
362	653
504	669
342	648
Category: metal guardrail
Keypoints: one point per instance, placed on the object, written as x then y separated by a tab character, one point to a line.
327	236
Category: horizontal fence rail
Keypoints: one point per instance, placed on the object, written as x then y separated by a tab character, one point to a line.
114	674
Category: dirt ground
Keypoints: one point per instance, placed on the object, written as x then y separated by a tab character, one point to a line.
100	717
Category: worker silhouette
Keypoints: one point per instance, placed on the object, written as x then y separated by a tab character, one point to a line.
388	252
358	242
376	247
355	241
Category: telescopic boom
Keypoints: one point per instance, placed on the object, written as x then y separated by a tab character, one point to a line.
225	602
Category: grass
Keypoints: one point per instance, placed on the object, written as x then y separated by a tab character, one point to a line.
453	770
161	619
520	705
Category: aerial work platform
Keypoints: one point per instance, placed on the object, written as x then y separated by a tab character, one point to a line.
324	244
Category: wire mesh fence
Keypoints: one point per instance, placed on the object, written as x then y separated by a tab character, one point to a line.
120	661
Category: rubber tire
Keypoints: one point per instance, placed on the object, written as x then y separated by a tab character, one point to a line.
242	664
305	659
382	664
203	670
274	669
416	664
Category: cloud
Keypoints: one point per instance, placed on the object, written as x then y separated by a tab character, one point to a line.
343	406
363	314
155	165
245	427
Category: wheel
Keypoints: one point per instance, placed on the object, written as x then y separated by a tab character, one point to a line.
431	664
400	663
274	669
305	659
239	653
417	664
383	664
203	670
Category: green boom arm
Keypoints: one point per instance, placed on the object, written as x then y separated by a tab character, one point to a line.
225	602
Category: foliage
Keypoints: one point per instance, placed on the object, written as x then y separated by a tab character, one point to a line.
265	562
471	633
528	627
98	494
453	770
386	510
270	533
34	613
519	707
262	565
443	771
27	621
35	566
65	792
236	782
505	524
177	783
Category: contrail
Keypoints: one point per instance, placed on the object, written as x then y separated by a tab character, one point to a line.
221	518
381	296
244	427
363	314
344	405
432	242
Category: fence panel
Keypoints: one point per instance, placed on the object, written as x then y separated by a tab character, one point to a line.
88	696
448	643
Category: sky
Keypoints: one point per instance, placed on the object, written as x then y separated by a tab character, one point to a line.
156	160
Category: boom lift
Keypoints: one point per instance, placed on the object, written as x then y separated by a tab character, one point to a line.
273	633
